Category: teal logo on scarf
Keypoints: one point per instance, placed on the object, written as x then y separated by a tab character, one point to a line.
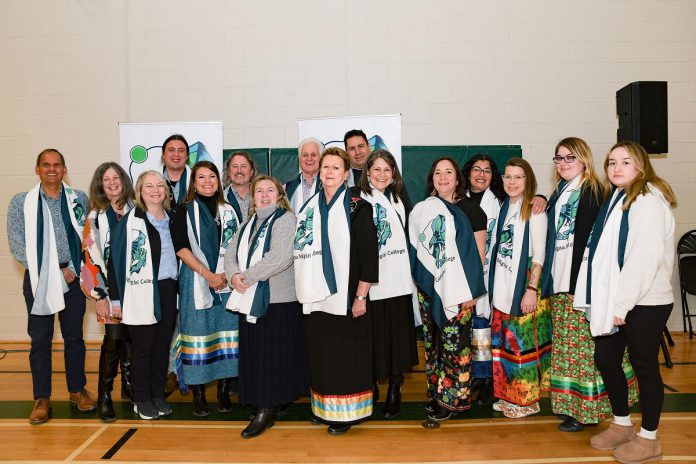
384	231
566	217
303	235
489	235
138	254
505	248
436	244
228	231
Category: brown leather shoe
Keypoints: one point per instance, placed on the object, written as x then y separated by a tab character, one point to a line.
83	400
613	437
41	412
171	385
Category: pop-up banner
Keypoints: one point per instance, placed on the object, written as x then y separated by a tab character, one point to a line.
141	144
383	131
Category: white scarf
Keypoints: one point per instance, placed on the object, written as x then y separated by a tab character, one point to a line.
509	259
605	274
567	205
48	286
244	302
394	266
311	248
491	206
433	241
104	232
138	293
297	199
202	296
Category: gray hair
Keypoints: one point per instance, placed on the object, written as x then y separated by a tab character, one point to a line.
310	140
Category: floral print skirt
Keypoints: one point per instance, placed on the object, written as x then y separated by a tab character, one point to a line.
577	389
521	355
447	357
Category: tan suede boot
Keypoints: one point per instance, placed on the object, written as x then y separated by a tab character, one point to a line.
613	437
638	450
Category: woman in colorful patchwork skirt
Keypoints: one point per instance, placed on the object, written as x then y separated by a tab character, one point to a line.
521	325
577	390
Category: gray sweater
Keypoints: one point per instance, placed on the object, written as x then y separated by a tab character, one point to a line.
276	264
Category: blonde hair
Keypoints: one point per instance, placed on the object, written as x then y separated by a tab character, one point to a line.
589	178
166	204
282	196
646	173
530	186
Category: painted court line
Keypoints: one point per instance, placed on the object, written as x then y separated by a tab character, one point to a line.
86	443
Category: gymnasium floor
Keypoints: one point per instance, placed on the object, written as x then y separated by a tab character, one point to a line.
477	436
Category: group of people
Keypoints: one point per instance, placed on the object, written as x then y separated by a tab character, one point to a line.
315	287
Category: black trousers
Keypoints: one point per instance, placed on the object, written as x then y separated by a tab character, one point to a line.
641	334
40	330
150	346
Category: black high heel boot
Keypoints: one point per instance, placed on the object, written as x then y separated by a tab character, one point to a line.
108	368
200	405
485	395
223	395
125	358
392	405
264	419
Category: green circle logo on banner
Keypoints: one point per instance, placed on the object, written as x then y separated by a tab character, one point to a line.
138	154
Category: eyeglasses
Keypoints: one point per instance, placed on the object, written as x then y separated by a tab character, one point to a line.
509	178
478	170
568	159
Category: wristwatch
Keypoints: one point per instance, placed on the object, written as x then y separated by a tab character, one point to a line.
360	297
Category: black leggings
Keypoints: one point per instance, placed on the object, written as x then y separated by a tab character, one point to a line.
641	334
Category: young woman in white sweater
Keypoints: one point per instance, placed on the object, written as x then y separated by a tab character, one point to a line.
627	290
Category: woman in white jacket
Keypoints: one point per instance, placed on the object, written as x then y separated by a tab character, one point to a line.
628	292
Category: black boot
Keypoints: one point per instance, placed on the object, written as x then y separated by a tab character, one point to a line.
375	393
264	419
223	395
485	395
108	368
126	385
392	404
200	405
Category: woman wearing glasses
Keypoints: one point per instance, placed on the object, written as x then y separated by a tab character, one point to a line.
521	325
576	386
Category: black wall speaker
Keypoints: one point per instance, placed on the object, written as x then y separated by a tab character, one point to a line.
642	110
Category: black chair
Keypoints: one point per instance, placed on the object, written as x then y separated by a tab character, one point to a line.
686	259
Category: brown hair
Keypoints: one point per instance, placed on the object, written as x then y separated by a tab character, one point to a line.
459	192
49	150
252	164
530	186
191	192
282	196
397	182
646	173
97	197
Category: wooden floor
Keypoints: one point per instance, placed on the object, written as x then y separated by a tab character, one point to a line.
478	436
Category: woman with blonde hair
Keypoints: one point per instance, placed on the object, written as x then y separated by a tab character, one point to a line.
631	256
521	325
576	386
145	272
336	263
272	347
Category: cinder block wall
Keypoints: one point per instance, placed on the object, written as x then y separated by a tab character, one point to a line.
461	72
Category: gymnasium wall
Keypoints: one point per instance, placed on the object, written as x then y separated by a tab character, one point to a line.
461	73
